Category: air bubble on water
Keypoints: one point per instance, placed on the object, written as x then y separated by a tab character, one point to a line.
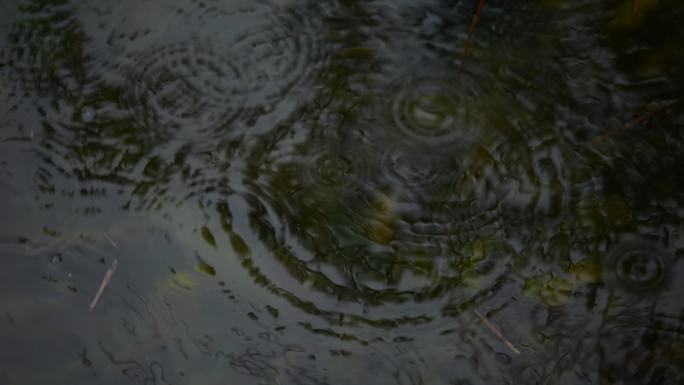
88	114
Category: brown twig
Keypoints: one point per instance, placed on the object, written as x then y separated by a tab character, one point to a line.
105	281
497	332
635	6
471	32
630	124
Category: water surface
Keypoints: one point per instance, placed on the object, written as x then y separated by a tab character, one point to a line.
331	192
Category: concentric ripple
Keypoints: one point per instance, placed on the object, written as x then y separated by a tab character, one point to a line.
419	169
433	110
638	266
279	51
374	253
204	81
188	89
332	169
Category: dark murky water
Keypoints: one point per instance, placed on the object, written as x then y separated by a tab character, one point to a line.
333	192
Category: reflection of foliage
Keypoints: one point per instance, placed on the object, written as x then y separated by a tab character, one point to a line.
642	342
647	42
48	53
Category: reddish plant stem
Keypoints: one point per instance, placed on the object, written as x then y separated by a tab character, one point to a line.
471	32
635	6
630	124
466	45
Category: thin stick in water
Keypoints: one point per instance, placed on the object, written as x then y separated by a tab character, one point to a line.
471	32
497	332
111	240
632	123
105	281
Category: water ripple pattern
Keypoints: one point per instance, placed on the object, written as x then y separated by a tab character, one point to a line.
188	89
278	48
280	52
314	192
372	247
434	110
211	86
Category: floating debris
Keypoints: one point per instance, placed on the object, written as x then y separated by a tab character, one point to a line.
111	240
634	122
105	281
471	32
495	329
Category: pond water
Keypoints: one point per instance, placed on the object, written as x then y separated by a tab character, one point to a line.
341	191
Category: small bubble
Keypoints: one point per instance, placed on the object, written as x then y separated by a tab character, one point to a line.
88	114
56	258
